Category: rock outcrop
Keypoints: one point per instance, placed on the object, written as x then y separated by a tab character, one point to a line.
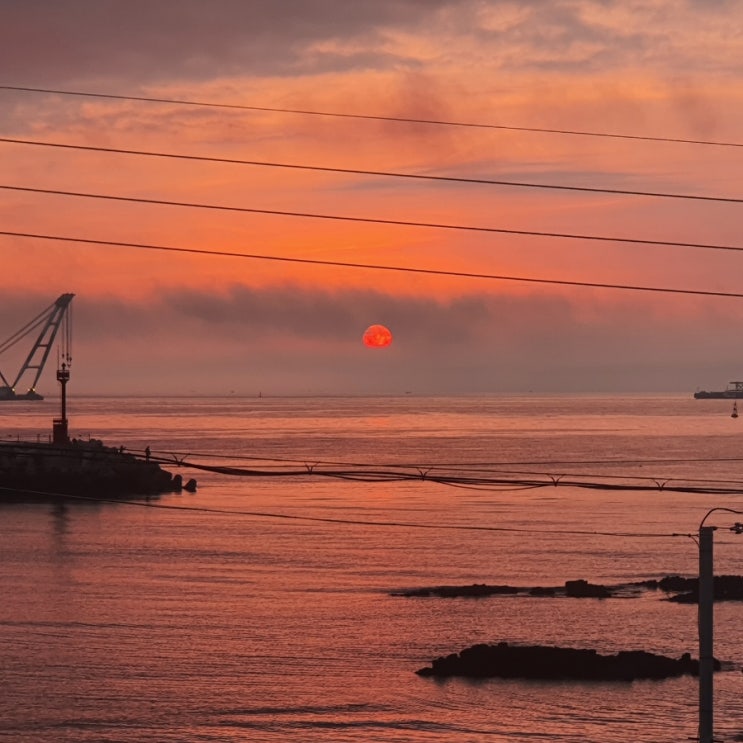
678	589
556	663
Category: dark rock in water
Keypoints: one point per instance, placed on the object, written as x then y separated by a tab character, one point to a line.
572	588
476	590
676	583
725	588
685	590
542	591
555	663
583	589
190	486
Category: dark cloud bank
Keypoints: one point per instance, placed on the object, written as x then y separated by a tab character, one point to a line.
291	340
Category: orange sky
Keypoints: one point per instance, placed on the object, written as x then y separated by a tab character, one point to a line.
152	322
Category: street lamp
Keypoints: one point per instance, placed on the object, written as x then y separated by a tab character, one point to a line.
706	623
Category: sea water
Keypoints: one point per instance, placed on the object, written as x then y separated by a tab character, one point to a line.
266	607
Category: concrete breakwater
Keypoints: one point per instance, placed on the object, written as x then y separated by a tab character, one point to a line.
82	468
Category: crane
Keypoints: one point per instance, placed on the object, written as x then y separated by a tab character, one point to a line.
49	321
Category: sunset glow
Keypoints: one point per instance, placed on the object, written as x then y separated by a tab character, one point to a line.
334	143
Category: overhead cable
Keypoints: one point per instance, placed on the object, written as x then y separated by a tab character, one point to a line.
398	222
491	481
388	174
474	472
409	223
466	465
372	117
346	521
372	266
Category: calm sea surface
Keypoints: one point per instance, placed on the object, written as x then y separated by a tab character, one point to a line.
261	608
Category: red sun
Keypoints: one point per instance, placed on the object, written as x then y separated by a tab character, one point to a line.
377	336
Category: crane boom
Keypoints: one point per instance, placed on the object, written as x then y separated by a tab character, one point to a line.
49	321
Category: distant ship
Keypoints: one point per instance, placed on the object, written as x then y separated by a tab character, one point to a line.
734	390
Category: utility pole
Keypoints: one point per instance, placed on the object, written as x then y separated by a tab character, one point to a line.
706	625
706	621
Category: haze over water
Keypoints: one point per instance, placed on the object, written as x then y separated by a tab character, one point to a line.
268	615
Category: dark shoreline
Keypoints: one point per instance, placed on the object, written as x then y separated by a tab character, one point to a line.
678	589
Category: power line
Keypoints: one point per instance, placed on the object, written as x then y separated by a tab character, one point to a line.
371	474
408	223
461	465
179	458
388	174
347	522
377	220
394	222
347	264
371	117
443	472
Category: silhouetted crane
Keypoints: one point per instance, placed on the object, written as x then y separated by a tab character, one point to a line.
49	321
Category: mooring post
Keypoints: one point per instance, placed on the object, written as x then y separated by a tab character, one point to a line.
706	617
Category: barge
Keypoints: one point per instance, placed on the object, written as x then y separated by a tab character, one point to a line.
733	391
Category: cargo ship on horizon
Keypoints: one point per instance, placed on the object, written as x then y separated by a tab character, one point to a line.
733	391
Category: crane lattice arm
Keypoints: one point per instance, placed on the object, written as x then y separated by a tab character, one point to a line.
49	321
